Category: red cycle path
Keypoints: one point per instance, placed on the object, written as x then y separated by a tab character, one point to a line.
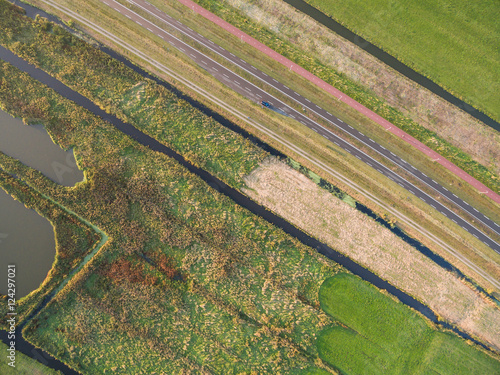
344	98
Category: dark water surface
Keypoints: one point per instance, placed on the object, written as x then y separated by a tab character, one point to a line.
26	241
33	146
390	60
220	186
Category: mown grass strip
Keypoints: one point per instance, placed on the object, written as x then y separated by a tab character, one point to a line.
355	91
454	43
381	336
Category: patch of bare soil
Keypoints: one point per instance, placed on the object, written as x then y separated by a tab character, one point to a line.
456	126
318	212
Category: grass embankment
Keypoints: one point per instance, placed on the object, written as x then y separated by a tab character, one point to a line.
435	114
24	365
291	194
454	43
189	281
384	337
355	91
124	93
289	129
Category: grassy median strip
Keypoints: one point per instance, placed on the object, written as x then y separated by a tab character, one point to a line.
188	280
454	43
354	90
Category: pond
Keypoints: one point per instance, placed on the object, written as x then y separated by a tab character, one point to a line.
26	238
33	146
27	241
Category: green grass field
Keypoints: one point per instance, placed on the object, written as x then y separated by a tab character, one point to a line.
188	281
385	337
454	43
217	150
24	365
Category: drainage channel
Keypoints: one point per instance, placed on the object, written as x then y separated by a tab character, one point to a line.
391	61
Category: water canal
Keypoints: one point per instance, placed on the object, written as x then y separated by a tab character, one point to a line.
238	197
220	186
391	61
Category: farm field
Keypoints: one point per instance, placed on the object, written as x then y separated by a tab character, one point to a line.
452	42
377	341
149	121
336	222
187	281
213	289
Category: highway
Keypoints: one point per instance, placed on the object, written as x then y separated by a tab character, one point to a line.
250	90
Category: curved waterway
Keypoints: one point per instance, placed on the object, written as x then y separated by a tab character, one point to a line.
230	192
390	60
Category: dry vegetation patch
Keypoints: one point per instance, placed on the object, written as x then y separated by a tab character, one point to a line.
455	126
300	201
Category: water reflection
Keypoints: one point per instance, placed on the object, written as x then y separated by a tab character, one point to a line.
26	240
32	146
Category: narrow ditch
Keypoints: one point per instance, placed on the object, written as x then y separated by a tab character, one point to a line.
215	183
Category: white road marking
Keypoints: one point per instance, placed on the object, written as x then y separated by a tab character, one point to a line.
225	75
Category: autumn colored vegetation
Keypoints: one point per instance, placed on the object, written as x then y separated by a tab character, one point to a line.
188	281
124	93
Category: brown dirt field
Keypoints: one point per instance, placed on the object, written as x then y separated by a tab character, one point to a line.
303	203
456	126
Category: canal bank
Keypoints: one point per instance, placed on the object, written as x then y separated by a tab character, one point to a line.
391	61
234	194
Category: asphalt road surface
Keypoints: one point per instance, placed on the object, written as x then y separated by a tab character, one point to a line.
250	90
